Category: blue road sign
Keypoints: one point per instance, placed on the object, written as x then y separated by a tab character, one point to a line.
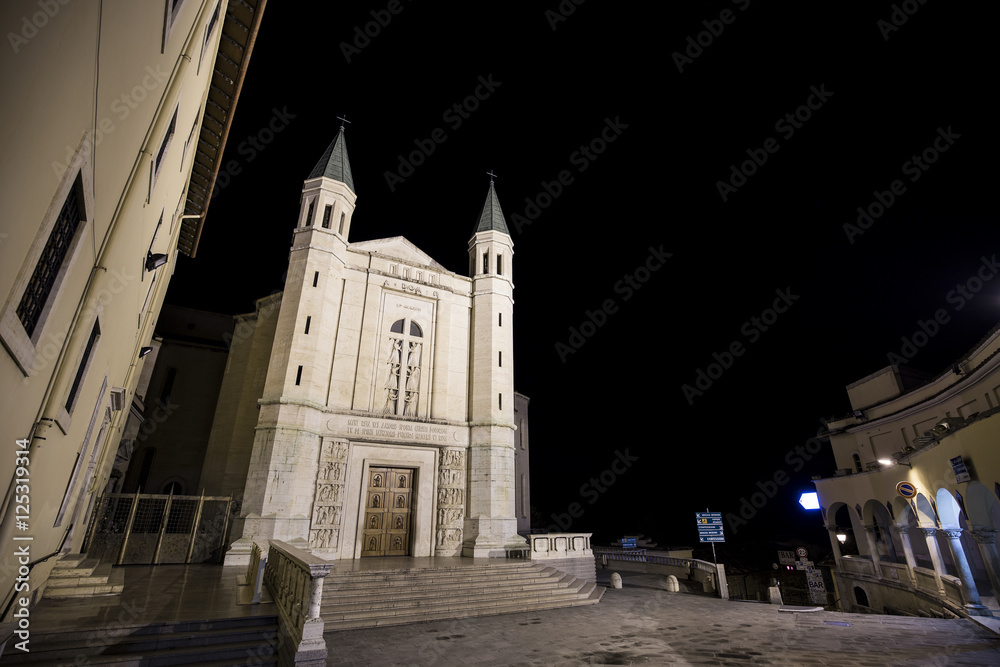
709	526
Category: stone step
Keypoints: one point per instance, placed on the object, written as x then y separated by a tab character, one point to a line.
486	598
445	573
217	642
423	591
426	615
104	580
73	565
413	583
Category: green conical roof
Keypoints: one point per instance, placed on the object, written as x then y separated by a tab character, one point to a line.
334	163
491	218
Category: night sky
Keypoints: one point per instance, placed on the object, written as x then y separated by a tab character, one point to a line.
703	182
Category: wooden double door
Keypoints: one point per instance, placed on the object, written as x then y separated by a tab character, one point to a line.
388	512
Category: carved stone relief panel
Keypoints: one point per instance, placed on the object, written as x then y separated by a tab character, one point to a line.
328	506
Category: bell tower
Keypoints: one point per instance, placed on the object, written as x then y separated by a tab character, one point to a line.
281	479
491	522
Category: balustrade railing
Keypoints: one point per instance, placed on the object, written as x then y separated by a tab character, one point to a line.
295	579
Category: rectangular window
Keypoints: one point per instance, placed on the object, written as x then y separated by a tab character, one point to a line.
500	401
315	279
164	145
39	288
486	262
191	139
308	322
170	16
343	216
81	371
327	213
298	376
208	32
500	359
499	319
309	215
499	265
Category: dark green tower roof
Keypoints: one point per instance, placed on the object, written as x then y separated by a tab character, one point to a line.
491	219
334	163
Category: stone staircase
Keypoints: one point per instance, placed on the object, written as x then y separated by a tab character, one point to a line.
378	598
76	576
216	643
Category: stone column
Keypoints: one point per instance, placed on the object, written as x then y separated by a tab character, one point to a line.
873	547
935	552
986	540
834	544
911	561
972	602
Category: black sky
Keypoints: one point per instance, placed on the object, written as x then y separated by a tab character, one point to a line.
678	133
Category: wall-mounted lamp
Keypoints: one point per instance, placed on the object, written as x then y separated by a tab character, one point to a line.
889	462
155	260
841	537
143	351
859	414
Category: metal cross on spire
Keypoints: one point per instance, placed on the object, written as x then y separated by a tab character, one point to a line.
491	175
342	119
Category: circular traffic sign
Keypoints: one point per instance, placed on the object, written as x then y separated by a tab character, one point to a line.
801	552
906	490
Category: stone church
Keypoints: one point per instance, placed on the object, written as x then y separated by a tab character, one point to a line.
369	409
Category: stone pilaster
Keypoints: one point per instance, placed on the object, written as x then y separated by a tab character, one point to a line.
935	551
972	602
911	561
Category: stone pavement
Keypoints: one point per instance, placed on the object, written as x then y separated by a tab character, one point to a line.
642	624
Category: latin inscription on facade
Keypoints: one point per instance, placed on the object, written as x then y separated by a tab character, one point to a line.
379	428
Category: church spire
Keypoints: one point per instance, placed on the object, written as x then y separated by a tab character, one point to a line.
491	218
334	163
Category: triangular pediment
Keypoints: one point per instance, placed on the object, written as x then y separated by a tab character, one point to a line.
399	248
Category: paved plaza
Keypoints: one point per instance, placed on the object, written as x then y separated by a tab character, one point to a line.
639	624
642	624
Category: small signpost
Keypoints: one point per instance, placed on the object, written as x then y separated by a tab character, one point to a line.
786	557
710	528
906	490
629	542
814	579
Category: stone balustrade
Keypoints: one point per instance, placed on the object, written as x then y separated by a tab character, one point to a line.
295	579
561	545
569	552
710	575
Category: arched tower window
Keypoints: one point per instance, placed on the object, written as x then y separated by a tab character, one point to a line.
402	384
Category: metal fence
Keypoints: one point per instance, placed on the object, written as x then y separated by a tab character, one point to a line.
152	529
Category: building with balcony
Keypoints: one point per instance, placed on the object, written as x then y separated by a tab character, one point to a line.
913	509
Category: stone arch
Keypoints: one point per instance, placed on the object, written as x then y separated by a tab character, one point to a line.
875	514
861	597
949	511
981	505
926	516
841	516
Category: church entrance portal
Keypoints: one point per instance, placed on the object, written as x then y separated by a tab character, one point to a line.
388	505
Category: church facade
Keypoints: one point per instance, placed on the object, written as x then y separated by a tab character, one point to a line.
369	409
